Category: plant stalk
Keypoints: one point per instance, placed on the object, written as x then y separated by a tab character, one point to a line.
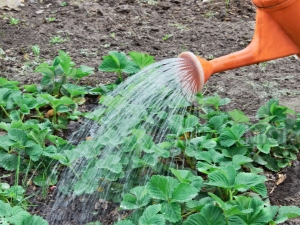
5	112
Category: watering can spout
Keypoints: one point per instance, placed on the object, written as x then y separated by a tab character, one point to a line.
277	35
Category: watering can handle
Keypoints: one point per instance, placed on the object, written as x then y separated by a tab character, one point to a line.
271	5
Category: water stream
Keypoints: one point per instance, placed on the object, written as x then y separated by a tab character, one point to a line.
123	151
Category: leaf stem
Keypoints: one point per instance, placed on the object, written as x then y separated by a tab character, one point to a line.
76	175
5	112
230	195
26	174
18	169
189	213
119	73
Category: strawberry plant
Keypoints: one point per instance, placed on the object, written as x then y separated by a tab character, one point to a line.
61	105
17	216
58	73
117	62
12	194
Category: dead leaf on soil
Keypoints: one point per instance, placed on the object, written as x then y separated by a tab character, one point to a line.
11	4
281	178
88	138
49	113
26	57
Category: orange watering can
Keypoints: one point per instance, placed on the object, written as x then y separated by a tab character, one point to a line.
277	35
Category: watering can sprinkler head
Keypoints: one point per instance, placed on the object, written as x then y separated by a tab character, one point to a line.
197	70
277	35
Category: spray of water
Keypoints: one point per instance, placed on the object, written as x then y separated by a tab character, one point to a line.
133	116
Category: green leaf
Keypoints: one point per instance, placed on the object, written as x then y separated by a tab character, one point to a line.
185	176
138	198
184	192
151	216
238	116
260	189
34	150
182	175
12	215
65	62
9	83
254	209
244	181
82	71
191	121
24	109
4	126
15	115
117	62
216	122
130	68
265	110
239	160
34	220
232	135
32	88
14	98
15	192
125	222
162	149
17	135
47	97
6	142
109	64
212	157
176	124
50	151
129	202
141	59
30	102
198	205
39	136
4	95
224	101
65	100
272	164
210	215
208	144
46	79
229	210
8	161
171	211
263	143
45	69
44	179
87	187
111	163
75	90
210	100
289	212
161	187
5	209
223	177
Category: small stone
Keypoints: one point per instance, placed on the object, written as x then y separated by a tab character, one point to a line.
156	47
176	1
155	29
100	12
123	9
39	11
164	5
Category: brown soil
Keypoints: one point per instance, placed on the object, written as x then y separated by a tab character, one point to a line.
92	28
